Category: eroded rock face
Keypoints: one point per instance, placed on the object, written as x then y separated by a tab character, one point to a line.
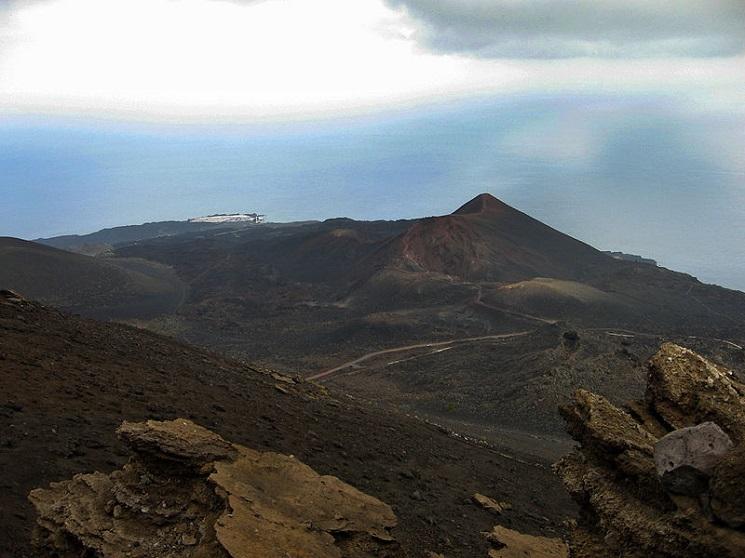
620	475
727	489
685	389
187	492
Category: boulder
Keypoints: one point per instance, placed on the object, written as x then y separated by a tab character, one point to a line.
571	340
685	458
610	433
177	441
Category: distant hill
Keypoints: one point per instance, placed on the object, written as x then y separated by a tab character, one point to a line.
101	287
309	295
487	240
130	233
485	253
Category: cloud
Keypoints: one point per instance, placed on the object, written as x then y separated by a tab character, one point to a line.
252	60
217	58
579	28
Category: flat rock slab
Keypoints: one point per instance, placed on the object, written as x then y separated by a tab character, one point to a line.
513	544
281	507
177	440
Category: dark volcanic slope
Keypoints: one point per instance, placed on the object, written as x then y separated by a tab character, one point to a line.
100	287
487	240
132	233
517	384
311	296
67	383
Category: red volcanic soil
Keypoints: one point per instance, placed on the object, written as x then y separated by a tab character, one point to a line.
483	203
487	240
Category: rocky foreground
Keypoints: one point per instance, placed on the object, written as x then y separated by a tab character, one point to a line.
187	492
662	477
68	383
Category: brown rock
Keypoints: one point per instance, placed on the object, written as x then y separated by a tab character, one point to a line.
10	296
728	489
686	389
189	493
177	440
607	432
513	544
488	503
285	505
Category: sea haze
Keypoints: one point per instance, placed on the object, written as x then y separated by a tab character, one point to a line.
643	175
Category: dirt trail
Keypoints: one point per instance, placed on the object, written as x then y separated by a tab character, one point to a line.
477	301
368	356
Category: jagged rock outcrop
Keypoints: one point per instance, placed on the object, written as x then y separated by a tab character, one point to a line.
188	493
626	508
10	296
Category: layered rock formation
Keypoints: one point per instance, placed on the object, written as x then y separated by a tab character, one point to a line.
642	495
188	493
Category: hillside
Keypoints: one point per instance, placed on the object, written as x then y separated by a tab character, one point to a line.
507	390
68	383
107	239
485	253
116	288
309	298
487	240
125	235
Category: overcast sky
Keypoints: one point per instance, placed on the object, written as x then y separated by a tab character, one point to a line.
285	59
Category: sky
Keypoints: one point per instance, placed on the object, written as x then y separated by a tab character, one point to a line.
621	122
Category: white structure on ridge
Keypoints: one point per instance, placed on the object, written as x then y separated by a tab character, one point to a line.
254	218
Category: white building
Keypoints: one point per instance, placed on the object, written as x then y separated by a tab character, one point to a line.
254	218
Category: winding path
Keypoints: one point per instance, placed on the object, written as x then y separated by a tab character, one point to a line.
368	356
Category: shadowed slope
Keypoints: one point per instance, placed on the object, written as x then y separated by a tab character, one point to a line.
99	287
